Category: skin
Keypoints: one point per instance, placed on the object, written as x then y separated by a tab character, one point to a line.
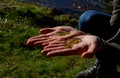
71	42
86	48
49	34
55	45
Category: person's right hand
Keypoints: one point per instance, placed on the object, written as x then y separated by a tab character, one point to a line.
50	34
87	47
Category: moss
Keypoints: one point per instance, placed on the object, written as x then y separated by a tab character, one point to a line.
71	42
62	33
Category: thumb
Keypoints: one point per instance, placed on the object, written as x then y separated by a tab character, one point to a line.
46	30
89	53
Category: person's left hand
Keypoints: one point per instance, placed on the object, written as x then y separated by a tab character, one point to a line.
87	47
50	34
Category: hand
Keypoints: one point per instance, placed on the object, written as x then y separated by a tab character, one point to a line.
50	34
56	32
87	47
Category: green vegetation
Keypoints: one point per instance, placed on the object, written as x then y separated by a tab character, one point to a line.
20	21
71	42
62	33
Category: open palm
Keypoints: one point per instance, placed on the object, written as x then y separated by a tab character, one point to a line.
50	34
87	47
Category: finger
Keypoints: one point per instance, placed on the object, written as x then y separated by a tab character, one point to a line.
39	43
55	45
45	44
46	30
45	51
33	40
60	52
89	53
36	38
53	42
40	36
57	42
52	33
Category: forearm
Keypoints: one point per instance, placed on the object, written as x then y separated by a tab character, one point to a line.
115	38
110	53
